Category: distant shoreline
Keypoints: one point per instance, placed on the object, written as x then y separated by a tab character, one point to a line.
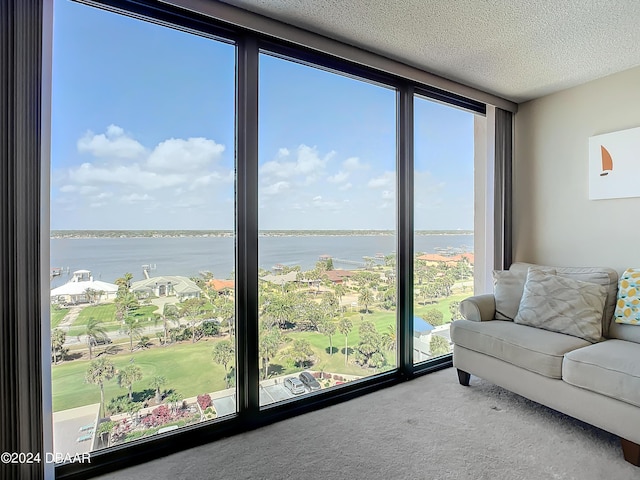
83	234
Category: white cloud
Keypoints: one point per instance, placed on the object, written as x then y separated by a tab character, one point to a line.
275	188
136	198
346	186
307	165
112	144
339	177
386	180
178	155
388	195
353	163
87	173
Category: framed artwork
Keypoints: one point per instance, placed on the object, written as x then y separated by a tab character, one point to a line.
614	165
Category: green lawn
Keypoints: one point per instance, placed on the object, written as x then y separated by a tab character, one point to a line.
188	368
57	315
106	313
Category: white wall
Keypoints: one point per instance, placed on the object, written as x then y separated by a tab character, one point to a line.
555	223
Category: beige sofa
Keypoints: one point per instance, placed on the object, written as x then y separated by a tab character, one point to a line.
598	383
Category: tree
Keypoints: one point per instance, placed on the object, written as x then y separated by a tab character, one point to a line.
223	354
344	326
191	309
126	302
91	294
280	309
438	345
370	344
127	376
454	310
58	337
144	342
328	329
365	298
340	290
174	398
389	338
269	343
130	327
93	330
434	317
99	372
157	382
225	309
169	315
300	352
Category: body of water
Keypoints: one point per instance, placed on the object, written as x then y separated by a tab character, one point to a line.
110	258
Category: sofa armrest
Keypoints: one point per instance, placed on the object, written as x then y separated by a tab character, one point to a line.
479	308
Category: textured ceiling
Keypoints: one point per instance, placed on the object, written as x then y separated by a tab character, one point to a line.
516	49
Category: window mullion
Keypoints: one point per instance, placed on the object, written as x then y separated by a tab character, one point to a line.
404	266
247	227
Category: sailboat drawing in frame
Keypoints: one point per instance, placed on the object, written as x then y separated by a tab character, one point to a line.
614	164
607	161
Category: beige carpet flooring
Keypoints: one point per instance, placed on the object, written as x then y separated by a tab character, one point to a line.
429	428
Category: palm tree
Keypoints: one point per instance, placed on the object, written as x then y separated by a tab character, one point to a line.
173	399
126	302
144	342
130	327
100	371
280	309
127	376
344	326
328	329
270	339
340	291
223	353
389	338
169	314
191	310
225	310
366	297
93	330
58	338
157	382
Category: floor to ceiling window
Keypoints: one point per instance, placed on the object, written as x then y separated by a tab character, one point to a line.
327	216
165	143
443	222
142	239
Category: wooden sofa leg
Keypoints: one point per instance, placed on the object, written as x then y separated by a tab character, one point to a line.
464	377
631	452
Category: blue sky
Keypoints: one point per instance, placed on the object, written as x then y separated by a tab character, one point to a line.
143	137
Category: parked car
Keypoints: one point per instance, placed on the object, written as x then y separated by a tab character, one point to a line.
309	380
100	341
294	385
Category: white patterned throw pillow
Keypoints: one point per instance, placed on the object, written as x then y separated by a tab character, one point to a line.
628	304
563	305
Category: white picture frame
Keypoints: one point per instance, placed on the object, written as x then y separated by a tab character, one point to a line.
614	165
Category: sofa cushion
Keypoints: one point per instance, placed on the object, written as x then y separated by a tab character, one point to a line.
628	305
562	305
508	286
507	290
604	276
610	368
534	349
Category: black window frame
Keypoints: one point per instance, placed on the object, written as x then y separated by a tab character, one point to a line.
249	414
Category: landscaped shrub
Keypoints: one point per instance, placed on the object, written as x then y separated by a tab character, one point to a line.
204	400
327	376
316	374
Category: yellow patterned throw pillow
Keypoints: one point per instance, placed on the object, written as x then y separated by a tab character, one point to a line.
628	305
